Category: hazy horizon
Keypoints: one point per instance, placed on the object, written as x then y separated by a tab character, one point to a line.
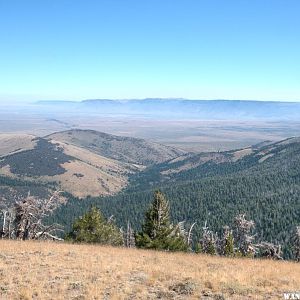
36	101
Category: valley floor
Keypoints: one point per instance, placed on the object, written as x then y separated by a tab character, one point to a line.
46	270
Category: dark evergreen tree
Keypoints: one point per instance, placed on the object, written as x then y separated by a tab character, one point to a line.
229	245
157	231
226	243
94	228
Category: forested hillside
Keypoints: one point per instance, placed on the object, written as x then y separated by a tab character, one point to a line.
262	181
264	184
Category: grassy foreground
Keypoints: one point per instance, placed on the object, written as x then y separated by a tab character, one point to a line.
46	270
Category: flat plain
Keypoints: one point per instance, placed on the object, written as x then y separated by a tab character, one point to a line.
189	135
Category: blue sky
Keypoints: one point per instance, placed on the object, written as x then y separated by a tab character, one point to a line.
66	49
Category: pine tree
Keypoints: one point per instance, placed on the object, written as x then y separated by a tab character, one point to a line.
229	245
198	248
94	228
226	243
157	231
211	247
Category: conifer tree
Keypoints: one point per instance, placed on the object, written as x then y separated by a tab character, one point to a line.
229	245
94	228
157	231
226	244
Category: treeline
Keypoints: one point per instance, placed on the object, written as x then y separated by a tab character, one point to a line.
272	201
159	233
25	221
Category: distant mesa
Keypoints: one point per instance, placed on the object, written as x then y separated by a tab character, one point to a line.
184	108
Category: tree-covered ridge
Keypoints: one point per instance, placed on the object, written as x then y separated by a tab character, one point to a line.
264	185
267	191
14	188
160	233
263	157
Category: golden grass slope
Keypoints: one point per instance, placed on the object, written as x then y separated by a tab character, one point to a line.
13	143
91	174
47	270
126	149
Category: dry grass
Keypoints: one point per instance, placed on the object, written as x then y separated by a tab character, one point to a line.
101	175
13	143
42	270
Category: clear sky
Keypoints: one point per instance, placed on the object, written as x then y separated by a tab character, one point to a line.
79	49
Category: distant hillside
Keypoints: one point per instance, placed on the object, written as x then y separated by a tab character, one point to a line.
183	108
262	181
13	143
81	162
202	165
125	149
72	169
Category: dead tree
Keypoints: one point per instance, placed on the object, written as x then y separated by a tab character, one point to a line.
296	243
270	250
4	214
243	237
186	234
7	229
128	236
29	215
208	243
190	234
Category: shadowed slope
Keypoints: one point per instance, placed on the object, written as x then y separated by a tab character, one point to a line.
126	149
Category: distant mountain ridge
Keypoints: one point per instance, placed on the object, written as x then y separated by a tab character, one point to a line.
80	162
259	158
184	108
125	149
